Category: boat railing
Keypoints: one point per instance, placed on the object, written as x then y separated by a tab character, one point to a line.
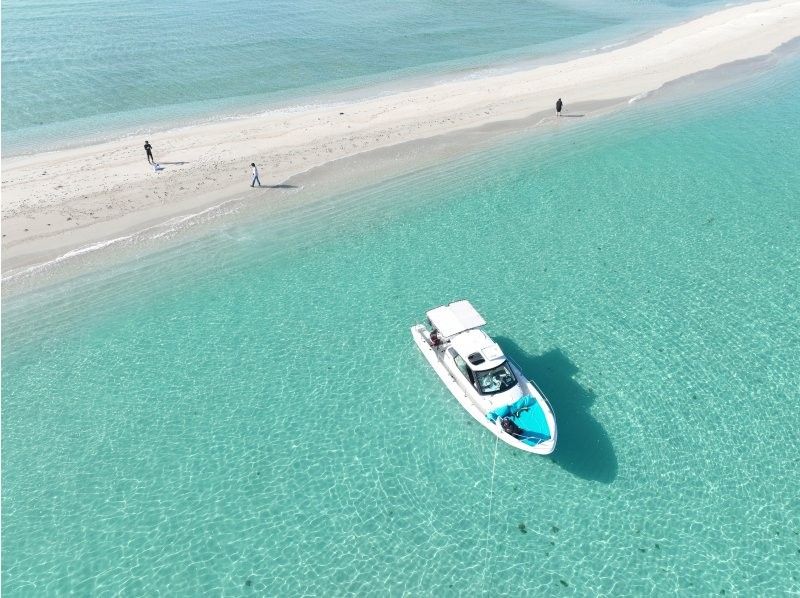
534	440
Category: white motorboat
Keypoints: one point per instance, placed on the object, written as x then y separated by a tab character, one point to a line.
489	385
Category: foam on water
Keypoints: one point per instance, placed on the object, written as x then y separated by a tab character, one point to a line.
138	240
247	413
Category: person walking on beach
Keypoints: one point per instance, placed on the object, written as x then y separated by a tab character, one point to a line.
149	149
559	105
255	178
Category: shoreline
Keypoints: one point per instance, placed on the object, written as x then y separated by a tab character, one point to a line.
351	90
57	202
306	192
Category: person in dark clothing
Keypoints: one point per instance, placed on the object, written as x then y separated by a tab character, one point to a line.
149	149
436	340
511	428
559	105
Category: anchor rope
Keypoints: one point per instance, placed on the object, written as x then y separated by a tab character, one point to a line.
489	516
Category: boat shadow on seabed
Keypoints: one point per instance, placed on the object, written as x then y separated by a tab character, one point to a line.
583	447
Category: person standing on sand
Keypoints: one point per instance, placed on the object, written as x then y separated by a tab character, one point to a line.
255	178
149	149
559	105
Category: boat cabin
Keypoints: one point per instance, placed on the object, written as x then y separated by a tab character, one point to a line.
482	362
479	359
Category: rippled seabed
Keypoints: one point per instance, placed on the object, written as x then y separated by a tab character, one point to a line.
248	414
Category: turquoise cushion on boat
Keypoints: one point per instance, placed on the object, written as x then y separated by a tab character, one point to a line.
528	415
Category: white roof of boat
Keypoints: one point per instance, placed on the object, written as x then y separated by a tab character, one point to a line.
455	317
477	341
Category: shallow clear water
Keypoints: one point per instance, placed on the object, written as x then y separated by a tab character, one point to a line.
84	69
247	413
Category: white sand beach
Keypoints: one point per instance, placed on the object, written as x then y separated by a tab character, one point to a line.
58	201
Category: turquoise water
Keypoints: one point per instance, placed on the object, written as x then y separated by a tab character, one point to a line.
247	414
80	70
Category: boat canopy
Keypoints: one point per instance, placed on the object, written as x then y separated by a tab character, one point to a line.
456	317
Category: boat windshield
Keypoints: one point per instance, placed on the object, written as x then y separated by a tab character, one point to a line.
496	380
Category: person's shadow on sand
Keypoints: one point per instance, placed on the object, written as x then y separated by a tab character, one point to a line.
583	448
